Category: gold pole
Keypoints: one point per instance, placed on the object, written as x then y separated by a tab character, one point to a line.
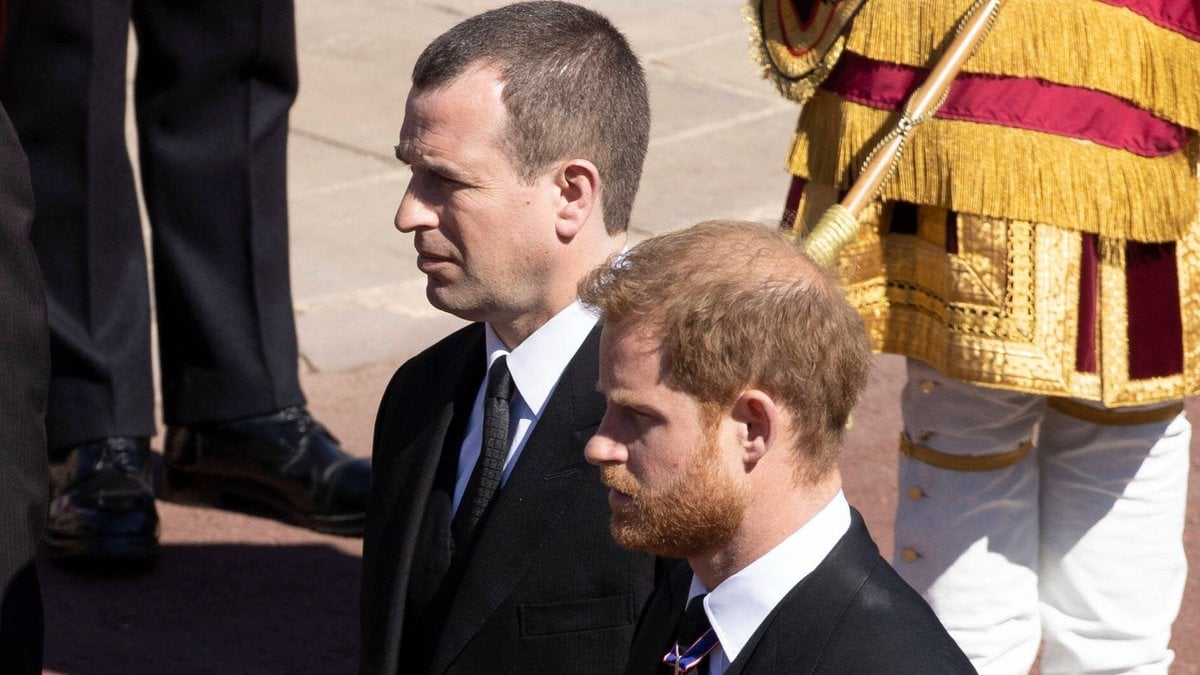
839	225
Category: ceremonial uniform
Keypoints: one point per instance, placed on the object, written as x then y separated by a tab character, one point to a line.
1032	255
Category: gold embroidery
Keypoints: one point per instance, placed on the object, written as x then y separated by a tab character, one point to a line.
1187	257
1113	323
1004	311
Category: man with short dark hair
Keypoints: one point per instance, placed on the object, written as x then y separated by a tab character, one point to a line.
487	547
726	408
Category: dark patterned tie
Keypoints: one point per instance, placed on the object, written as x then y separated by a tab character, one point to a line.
694	641
485	477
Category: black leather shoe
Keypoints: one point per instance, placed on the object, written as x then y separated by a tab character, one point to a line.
102	505
284	466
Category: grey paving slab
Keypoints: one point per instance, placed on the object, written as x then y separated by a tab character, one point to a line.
342	238
319	166
722	170
350	336
355	57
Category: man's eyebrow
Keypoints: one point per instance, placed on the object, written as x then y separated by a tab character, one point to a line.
447	170
623	399
440	168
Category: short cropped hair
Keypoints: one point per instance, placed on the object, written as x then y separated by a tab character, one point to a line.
738	306
572	88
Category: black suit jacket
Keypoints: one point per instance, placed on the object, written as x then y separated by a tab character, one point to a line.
24	374
852	614
545	589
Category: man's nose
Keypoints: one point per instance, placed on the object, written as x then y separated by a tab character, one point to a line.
602	448
414	213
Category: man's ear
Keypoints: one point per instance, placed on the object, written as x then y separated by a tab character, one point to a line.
760	421
578	184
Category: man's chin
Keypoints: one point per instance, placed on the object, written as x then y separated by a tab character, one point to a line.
635	536
441	295
632	539
625	529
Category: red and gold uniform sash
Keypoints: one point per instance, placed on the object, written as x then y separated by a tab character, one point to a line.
1041	232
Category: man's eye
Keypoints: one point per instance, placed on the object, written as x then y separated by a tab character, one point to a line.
444	181
641	418
434	181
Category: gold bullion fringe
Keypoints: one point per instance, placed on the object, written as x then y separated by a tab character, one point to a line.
1004	172
1082	43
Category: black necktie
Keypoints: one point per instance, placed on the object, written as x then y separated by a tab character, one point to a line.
694	641
485	477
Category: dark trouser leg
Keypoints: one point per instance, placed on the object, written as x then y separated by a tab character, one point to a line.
215	81
24	373
62	78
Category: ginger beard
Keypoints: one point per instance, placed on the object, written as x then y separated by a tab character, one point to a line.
696	512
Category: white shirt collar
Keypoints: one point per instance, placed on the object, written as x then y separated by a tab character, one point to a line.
738	605
538	362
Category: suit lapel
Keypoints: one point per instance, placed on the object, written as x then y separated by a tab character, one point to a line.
659	624
542	485
408	481
434	550
808	614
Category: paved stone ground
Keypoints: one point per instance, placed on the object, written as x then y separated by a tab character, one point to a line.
244	595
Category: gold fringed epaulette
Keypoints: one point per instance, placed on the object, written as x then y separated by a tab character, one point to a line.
1081	43
797	52
1006	172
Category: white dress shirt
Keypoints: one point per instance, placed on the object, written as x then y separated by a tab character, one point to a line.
536	366
738	605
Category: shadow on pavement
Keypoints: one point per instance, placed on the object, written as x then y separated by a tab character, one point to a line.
266	608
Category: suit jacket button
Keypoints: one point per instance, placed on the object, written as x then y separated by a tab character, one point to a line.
910	555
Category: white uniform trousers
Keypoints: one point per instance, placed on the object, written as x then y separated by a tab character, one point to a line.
1021	522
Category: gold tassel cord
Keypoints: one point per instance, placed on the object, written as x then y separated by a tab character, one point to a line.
836	228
